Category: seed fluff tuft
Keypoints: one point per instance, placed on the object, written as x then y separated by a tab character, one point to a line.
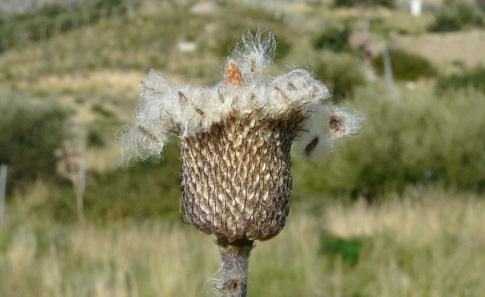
183	111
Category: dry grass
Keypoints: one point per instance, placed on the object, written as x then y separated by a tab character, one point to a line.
428	244
93	86
446	48
104	82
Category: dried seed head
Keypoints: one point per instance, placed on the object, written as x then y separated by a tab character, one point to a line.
236	178
235	140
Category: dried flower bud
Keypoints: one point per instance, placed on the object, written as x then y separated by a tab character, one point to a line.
235	140
236	178
235	143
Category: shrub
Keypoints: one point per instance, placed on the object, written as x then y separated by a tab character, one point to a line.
348	249
32	130
334	39
55	17
405	66
348	3
340	72
456	15
445	23
471	79
106	3
52	9
147	190
94	137
481	4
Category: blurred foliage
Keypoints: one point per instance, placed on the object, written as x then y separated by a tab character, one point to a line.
147	190
333	38
455	15
418	138
32	129
55	18
404	142
94	137
100	110
481	4
52	9
425	236
340	72
347	249
405	65
347	3
445	22
135	43
474	78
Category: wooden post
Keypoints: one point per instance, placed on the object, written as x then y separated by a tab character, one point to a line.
3	190
58	27
4	44
86	17
73	167
43	33
130	11
74	23
24	39
388	72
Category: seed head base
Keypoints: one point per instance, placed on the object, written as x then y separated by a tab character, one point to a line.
236	179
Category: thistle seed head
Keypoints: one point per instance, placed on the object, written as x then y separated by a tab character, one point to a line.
235	139
236	179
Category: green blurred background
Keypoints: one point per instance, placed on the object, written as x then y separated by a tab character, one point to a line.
398	210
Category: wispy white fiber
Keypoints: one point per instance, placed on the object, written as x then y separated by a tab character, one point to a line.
254	54
352	121
168	109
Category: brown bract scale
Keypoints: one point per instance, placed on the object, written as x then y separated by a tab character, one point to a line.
236	178
233	75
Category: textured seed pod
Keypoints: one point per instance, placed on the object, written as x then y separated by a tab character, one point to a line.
236	179
235	139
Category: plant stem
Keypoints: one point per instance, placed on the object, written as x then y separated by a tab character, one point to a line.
235	263
80	207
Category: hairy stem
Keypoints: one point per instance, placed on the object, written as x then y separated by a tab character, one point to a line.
235	263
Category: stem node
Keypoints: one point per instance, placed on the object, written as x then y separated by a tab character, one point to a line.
235	263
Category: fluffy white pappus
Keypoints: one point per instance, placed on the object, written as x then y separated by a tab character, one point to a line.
168	109
155	84
327	125
254	54
137	144
345	122
298	89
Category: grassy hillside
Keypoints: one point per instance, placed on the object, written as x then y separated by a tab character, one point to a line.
149	39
